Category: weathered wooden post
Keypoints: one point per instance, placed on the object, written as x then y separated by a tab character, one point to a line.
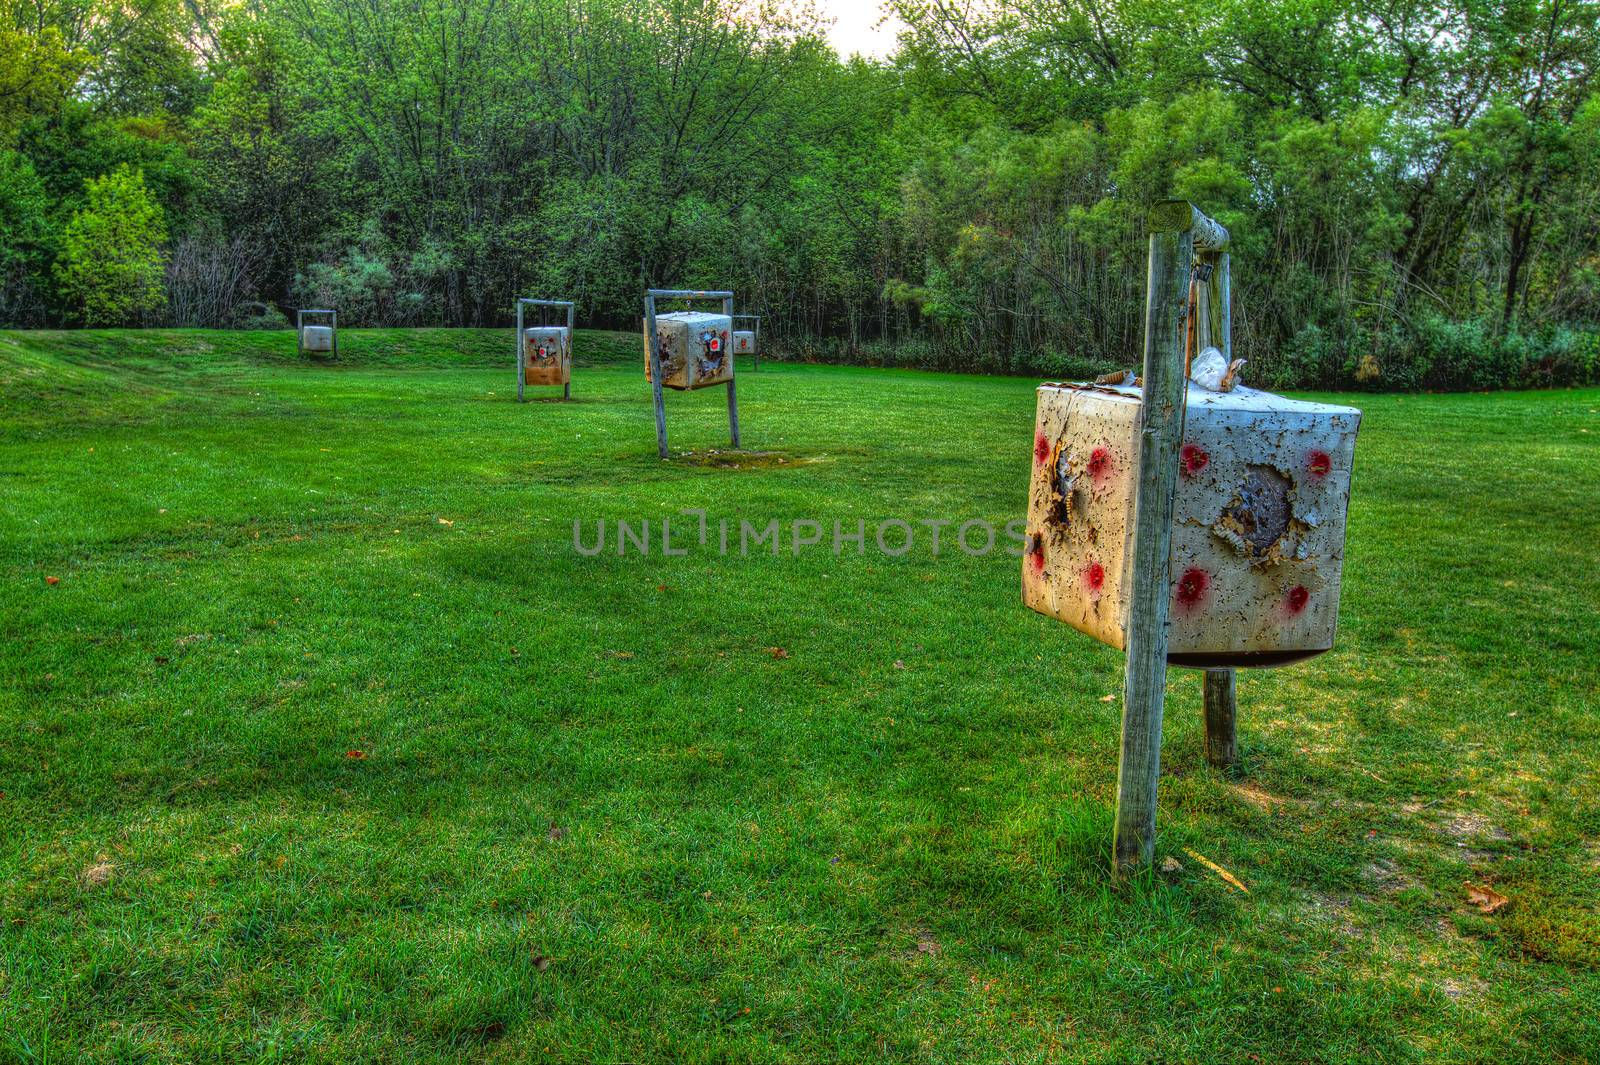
695	352
1221	707
733	396
1175	230
549	370
1215	328
652	355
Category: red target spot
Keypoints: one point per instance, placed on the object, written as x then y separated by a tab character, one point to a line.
1318	464
1041	449
1194	459
1100	464
1036	552
1192	587
1094	576
1297	598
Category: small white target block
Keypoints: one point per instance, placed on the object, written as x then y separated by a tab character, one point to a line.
316	338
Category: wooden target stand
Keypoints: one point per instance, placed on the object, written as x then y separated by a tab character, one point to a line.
331	320
755	353
654	349
522	358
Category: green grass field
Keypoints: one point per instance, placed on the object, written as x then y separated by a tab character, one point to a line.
326	745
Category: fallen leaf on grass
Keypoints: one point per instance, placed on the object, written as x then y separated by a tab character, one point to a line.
620	654
540	962
52	580
446	521
355	756
1108	698
899	664
1485	897
1228	878
556	834
98	874
777	652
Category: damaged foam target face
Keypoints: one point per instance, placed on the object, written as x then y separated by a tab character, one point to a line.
547	355
695	347
1257	519
1258	524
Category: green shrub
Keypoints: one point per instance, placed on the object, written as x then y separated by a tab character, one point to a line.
111	267
1433	354
255	315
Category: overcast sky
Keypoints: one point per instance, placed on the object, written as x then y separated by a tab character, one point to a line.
856	27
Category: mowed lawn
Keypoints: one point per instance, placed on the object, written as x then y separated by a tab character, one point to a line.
326	745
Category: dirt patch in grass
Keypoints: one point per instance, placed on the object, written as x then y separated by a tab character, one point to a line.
923	945
1336	912
1262	799
1471	825
97	874
1474	837
1387	878
716	458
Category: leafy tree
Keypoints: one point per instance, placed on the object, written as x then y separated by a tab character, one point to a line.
111	263
36	71
24	240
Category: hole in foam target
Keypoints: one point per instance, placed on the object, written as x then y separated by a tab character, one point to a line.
1259	515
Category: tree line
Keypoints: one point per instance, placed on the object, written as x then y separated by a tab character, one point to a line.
1413	187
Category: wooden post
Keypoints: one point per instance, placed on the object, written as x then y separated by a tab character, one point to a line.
1224	303
522	356
655	371
733	396
1221	692
1222	747
572	340
1174	229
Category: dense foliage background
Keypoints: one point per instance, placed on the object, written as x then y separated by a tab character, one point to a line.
1413	187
